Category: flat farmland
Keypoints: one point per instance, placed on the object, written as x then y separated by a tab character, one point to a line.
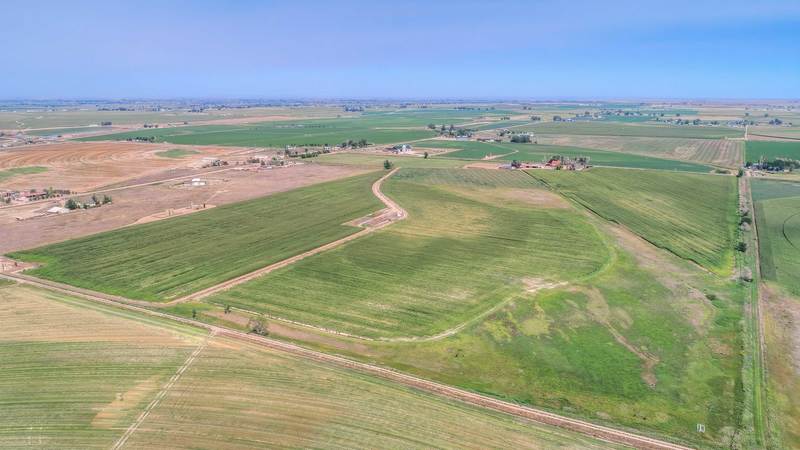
463	250
278	134
777	206
623	129
375	161
540	152
778	132
638	342
24	227
169	258
78	375
71	117
720	152
79	166
770	150
691	215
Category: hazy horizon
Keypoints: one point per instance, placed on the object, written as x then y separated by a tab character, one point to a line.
580	51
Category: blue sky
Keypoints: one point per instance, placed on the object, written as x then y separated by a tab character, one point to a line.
395	49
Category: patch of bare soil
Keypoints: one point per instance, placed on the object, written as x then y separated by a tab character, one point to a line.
483	165
174	213
109	415
84	166
536	197
132	204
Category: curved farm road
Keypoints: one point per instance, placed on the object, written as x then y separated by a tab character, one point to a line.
537	415
392	213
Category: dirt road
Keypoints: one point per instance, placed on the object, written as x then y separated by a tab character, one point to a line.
598	431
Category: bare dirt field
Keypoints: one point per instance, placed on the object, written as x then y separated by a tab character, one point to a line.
82	166
132	204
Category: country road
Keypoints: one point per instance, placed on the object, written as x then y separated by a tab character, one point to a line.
537	415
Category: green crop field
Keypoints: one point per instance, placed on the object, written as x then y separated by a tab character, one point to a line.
14	171
630	346
779	132
60	131
721	152
540	152
169	258
436	116
176	153
372	160
470	178
769	150
318	132
692	215
500	124
463	250
623	129
777	205
639	338
78	375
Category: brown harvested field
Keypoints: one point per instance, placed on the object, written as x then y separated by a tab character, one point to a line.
82	166
782	336
721	152
135	203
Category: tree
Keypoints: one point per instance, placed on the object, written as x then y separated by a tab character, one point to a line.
194	313
227	309
741	246
95	200
387	164
426	155
71	204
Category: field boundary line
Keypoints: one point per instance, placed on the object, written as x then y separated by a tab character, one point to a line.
601	432
393	213
162	393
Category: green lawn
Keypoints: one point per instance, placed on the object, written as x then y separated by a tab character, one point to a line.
170	258
632	129
278	134
755	150
777	205
463	249
14	171
540	152
692	215
176	153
